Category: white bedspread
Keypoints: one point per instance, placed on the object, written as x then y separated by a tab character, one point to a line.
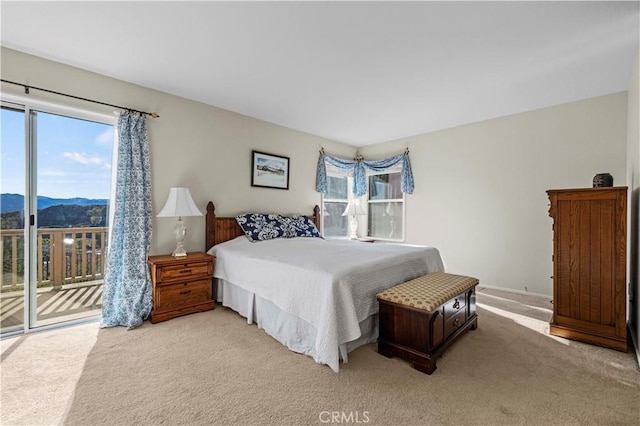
331	284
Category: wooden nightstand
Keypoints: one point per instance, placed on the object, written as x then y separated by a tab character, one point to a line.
181	285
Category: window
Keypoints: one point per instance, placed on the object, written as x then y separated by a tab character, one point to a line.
333	204
386	207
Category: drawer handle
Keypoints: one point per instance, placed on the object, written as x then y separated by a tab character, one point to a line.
457	304
185	292
185	271
456	322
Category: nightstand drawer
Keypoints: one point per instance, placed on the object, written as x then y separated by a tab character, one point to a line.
180	295
182	271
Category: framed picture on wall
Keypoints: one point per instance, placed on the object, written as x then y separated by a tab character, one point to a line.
269	170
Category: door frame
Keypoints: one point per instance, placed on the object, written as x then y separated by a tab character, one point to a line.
27	105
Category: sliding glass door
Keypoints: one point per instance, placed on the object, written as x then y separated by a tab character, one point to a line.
53	273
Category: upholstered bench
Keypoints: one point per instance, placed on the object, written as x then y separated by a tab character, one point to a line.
419	319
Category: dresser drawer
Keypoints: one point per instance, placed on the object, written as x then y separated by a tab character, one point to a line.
180	295
455	305
182	271
453	323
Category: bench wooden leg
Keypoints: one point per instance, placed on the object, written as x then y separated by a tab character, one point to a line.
428	367
474	325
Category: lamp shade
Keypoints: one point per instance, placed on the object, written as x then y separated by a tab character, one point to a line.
353	208
179	203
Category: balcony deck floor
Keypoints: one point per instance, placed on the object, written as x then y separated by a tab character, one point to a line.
70	301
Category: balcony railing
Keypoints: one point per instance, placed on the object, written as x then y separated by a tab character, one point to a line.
64	256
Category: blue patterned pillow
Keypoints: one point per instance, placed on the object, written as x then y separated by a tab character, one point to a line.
301	226
262	227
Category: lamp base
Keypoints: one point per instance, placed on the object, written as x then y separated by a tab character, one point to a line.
180	232
177	253
353	225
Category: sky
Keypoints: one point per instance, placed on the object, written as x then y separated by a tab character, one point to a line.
276	164
73	156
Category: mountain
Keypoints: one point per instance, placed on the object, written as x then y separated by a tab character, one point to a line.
60	216
15	202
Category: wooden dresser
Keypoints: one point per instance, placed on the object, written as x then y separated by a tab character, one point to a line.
589	265
181	285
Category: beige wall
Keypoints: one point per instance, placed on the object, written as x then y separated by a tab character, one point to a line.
204	148
480	189
633	179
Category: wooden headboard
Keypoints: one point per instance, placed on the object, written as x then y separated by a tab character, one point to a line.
221	229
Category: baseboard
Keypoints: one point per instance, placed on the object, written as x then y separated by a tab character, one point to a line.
512	290
634	343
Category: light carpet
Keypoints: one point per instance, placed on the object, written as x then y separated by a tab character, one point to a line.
212	368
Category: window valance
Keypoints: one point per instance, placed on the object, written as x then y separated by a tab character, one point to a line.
358	167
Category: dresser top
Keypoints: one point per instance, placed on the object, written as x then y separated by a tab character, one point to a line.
599	188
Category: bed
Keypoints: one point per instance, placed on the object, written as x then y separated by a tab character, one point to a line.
315	296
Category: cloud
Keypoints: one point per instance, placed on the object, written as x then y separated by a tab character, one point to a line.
82	158
105	138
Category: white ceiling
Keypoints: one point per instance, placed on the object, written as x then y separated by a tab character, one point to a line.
355	72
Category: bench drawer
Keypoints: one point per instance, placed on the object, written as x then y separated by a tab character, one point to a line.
455	305
453	323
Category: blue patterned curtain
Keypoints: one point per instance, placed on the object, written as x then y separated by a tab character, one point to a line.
126	294
359	166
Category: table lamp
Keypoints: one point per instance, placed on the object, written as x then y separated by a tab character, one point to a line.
179	203
353	209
